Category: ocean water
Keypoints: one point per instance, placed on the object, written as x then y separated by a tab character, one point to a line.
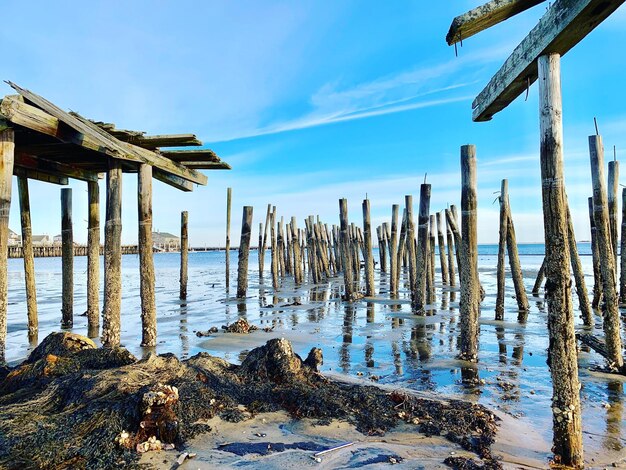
378	340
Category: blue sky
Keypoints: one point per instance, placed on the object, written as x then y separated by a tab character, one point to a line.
310	102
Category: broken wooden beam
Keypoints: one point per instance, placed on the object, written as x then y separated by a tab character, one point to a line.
486	16
51	167
563	26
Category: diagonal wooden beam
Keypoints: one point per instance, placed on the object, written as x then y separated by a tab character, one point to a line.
54	168
563	26
172	180
486	16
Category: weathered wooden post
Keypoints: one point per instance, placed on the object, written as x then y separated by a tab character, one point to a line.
113	256
540	275
562	353
622	271
451	249
470	285
184	253
393	252
229	196
421	257
7	155
346	254
432	245
612	203
145	246
579	274
369	259
442	251
381	252
244	251
611	315
273	250
595	253
27	254
453	219
67	259
263	243
500	279
93	259
297	262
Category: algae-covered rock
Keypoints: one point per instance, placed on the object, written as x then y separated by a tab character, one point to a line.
60	344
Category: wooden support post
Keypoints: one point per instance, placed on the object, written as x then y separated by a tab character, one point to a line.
612	203
470	286
229	197
451	248
346	254
273	250
113	257
93	259
263	244
421	257
453	219
402	252
595	254
504	225
297	262
184	253
369	257
562	354
146	261
67	259
381	251
280	245
579	274
432	261
7	155
540	275
442	250
622	271
611	315
29	259
244	251
393	252
516	268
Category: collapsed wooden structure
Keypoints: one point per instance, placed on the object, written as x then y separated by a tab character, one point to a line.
40	141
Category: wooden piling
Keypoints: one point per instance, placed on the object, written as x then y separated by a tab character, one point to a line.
393	252
381	249
579	274
93	259
273	250
431	298
244	252
500	277
622	271
297	261
67	259
146	261
346	254
451	249
369	258
611	315
453	219
421	257
445	277
7	155
229	197
595	255
29	259
263	242
184	254
470	286
562	351
113	256
402	247
514	262
540	275
613	184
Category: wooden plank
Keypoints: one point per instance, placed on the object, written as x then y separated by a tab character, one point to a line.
54	168
115	147
172	180
486	16
207	165
166	140
146	257
7	148
39	176
563	26
207	155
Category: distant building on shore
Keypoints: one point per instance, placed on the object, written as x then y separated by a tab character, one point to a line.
41	240
164	241
14	238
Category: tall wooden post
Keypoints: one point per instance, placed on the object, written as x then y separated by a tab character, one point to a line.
298	274
451	249
393	252
7	155
595	255
540	275
346	255
470	285
67	259
579	274
622	271
421	257
612	203
146	257
611	315
184	253
500	278
244	251
263	245
562	356
93	259
442	250
229	198
369	258
113	257
29	259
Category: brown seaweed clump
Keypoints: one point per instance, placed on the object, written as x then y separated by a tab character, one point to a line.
71	405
